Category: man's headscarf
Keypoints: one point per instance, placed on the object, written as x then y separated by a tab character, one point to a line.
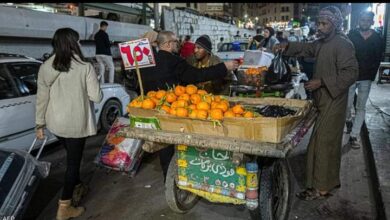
333	14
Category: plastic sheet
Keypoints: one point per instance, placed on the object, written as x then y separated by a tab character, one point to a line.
120	153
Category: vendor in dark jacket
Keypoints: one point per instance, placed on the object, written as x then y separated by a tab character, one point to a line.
172	70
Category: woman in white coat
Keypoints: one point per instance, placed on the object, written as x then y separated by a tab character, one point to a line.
66	86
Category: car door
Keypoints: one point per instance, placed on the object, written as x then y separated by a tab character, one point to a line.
18	87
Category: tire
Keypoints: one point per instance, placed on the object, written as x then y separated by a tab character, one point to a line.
180	201
274	192
111	110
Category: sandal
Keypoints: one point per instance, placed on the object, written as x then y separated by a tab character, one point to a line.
312	194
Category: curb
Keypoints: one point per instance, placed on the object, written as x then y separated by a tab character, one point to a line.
380	209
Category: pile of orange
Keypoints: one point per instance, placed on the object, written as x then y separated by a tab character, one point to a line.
189	101
256	71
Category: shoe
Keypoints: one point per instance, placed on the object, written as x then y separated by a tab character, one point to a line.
355	142
79	192
66	210
348	127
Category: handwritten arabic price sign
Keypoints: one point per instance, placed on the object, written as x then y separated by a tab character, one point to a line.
139	50
209	167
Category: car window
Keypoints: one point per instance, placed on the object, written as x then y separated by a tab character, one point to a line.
25	76
233	47
8	87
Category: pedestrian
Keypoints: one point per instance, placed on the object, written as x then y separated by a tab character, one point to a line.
173	70
66	86
103	53
293	37
369	48
336	70
187	49
269	40
254	43
280	37
237	34
220	43
203	58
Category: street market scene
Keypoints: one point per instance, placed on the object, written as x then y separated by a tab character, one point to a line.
272	111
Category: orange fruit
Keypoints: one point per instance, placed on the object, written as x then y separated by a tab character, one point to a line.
148	104
192	107
185	97
238	109
202	92
214	104
191	89
136	103
155	100
165	108
160	94
203	106
201	114
174	104
229	114
182	103
225	101
172	111
216	114
180	90
195	98
248	114
208	99
193	114
171	97
238	115
217	98
151	94
181	112
223	106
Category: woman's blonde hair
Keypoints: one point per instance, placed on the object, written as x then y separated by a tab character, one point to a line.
151	35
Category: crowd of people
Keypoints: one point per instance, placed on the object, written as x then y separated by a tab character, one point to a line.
339	66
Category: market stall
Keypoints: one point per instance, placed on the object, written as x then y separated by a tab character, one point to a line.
236	159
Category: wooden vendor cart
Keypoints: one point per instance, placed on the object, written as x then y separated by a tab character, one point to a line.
271	180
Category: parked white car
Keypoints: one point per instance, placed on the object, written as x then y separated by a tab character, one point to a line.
18	87
229	51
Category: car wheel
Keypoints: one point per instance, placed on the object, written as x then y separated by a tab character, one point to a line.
111	110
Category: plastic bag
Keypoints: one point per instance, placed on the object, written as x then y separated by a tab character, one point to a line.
120	153
279	71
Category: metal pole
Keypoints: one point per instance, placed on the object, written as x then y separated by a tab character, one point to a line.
156	16
144	13
81	9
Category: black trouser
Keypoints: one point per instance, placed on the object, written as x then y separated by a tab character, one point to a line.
74	152
166	155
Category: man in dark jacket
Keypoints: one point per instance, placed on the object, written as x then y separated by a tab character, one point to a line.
103	53
173	70
202	58
369	48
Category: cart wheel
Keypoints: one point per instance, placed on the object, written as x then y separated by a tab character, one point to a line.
274	192
180	201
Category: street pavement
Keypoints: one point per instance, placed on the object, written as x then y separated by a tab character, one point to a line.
114	195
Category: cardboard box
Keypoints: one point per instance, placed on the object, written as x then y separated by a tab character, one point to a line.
264	129
140	112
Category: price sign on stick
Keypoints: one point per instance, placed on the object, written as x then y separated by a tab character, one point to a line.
137	50
137	54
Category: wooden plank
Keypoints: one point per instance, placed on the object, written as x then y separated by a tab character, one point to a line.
279	150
